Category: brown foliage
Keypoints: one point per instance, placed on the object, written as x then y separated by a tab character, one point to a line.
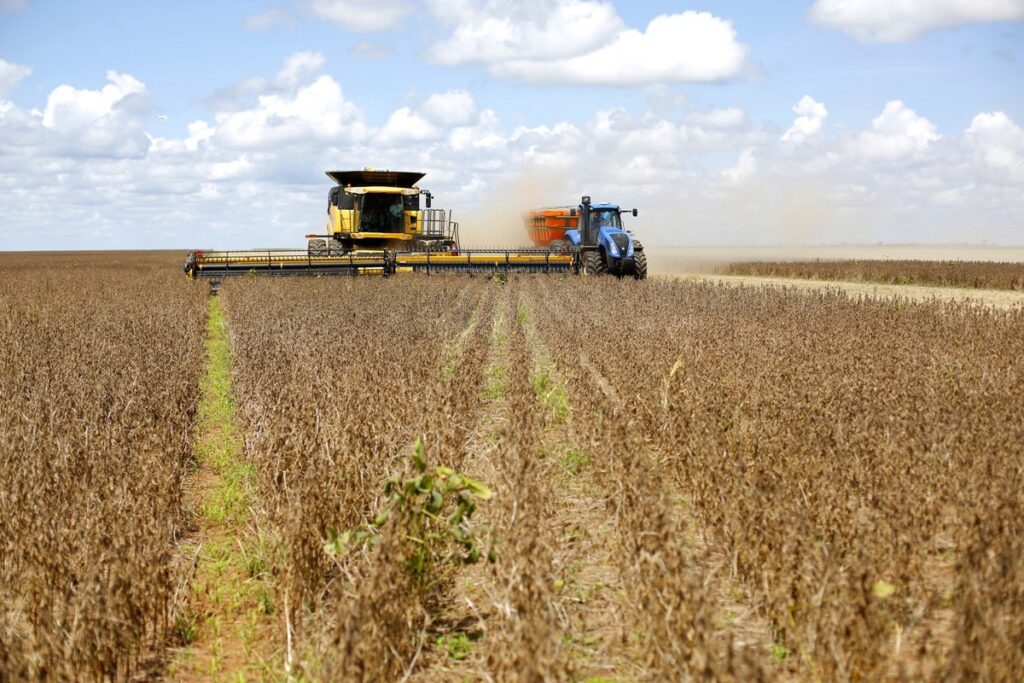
99	374
858	463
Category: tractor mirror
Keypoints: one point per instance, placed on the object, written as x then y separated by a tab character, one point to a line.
586	200
429	197
634	213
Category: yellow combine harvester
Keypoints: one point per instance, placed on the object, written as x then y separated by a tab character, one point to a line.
375	225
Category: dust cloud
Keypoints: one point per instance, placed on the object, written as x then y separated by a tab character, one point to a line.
499	222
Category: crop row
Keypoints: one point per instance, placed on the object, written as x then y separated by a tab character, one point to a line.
860	462
99	374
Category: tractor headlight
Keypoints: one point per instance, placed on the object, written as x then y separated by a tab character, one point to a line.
613	249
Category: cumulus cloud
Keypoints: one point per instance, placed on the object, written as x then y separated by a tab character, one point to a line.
810	119
493	31
405	126
997	143
10	75
582	41
362	15
897	133
315	113
450	108
698	176
745	168
69	108
888	21
297	66
272	15
687	47
728	117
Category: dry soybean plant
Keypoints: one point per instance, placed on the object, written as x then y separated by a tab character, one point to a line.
99	374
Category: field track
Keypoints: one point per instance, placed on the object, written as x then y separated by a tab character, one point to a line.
1001	299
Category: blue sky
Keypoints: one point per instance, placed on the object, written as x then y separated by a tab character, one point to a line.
729	122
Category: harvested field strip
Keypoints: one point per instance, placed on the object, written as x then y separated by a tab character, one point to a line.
972	274
227	619
1001	299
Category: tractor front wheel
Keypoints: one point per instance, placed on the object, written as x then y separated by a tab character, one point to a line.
593	263
639	266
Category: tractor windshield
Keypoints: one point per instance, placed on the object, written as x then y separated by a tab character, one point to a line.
605	218
381	213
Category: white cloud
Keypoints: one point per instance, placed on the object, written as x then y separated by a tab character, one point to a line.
362	15
12	5
298	65
265	19
405	126
687	47
69	108
997	143
491	31
745	168
897	133
729	117
902	20
809	122
316	113
451	108
698	176
10	75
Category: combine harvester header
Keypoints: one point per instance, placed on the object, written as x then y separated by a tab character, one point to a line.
377	226
382	223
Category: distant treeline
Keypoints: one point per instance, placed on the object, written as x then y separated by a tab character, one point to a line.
974	274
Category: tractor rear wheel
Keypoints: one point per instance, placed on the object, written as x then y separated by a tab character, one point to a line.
639	266
593	263
317	248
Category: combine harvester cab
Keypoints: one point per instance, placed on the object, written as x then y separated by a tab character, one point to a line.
377	226
595	232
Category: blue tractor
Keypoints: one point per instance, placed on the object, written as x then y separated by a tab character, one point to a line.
604	245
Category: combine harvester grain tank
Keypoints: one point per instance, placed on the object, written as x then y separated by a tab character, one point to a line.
382	223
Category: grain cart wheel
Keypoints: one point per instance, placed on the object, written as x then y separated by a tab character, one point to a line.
639	266
560	246
593	263
317	248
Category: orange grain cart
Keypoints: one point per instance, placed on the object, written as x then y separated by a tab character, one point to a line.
547	225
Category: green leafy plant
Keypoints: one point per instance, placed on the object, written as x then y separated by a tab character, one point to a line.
456	645
431	512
